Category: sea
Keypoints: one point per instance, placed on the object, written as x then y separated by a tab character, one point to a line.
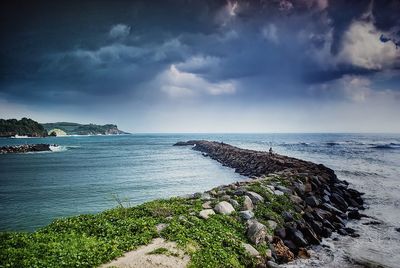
89	174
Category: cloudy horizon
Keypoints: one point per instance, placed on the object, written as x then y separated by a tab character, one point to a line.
204	66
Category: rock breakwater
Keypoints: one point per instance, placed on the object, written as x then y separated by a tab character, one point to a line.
25	148
289	205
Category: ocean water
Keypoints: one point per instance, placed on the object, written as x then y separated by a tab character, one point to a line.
94	173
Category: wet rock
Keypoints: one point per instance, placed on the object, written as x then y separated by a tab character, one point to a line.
271	264
25	148
326	199
310	235
247	203
298	237
281	232
339	201
349	230
287	216
250	250
328	224
246	214
342	232
372	223
256	232
206	213
312	201
255	197
316	226
303	253
332	209
291	245
355	215
224	208
326	232
337	219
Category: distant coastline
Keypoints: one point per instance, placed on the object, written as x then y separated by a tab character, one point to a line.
28	128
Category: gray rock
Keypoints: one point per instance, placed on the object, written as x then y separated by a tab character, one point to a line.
206	205
225	197
271	264
256	232
272	224
205	196
277	192
296	199
283	189
247	203
246	214
240	191
271	187
160	227
224	208
206	213
255	198
234	203
298	238
251	250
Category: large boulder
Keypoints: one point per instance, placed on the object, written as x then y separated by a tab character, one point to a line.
251	250
206	213
255	198
256	232
246	214
224	208
247	203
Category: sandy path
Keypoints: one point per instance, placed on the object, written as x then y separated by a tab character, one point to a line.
141	258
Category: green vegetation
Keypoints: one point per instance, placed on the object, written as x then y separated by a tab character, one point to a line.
23	127
163	251
90	240
79	129
160	251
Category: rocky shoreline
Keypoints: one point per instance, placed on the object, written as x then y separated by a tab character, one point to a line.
289	205
25	148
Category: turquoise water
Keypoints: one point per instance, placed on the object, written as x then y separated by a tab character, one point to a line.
89	174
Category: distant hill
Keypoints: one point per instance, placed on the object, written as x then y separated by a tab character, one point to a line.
82	129
23	127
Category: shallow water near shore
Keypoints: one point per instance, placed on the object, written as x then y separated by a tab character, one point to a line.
91	174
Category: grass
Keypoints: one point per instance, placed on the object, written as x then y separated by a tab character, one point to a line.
91	240
163	251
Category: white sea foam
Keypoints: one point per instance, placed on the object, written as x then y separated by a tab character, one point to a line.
20	137
58	148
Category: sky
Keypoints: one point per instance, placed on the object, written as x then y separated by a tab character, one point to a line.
204	66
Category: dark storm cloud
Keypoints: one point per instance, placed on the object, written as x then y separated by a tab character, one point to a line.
80	51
